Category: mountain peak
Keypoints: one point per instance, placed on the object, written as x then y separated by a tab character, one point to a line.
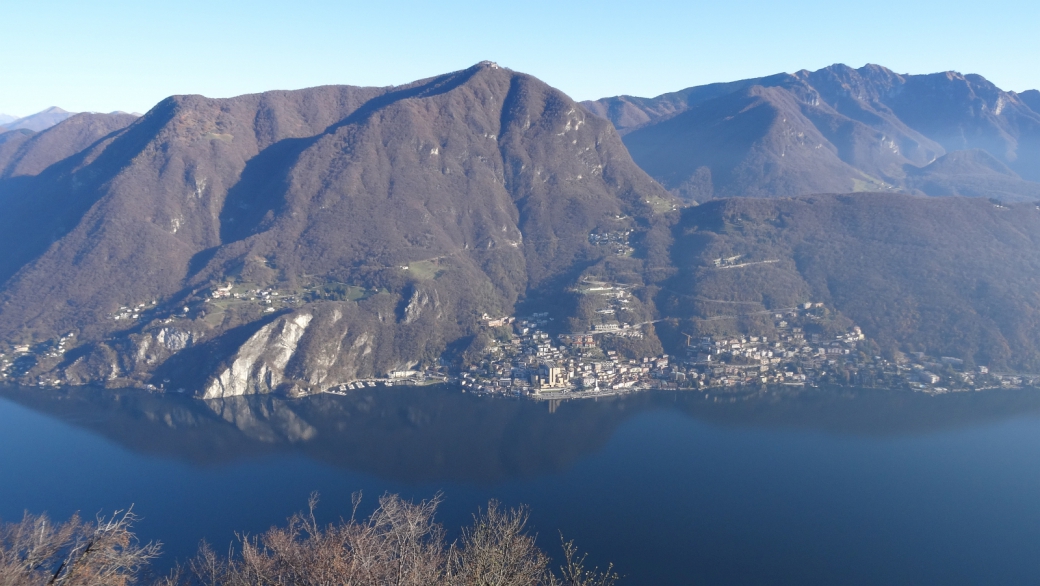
840	68
874	68
41	120
1031	98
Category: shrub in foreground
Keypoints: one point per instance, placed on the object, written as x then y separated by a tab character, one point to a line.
74	553
399	543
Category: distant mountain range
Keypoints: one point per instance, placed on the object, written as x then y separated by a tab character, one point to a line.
36	122
294	241
836	130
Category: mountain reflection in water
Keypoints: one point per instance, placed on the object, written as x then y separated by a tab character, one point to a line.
434	434
818	486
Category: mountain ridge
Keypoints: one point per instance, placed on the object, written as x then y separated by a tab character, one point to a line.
868	126
37	122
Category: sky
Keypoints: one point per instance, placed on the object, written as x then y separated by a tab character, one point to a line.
121	55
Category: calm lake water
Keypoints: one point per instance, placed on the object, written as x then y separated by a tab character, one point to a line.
826	487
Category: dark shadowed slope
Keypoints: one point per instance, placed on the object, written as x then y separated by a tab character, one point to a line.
10	142
60	142
972	173
38	201
876	122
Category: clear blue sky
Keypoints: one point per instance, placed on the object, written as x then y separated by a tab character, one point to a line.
122	55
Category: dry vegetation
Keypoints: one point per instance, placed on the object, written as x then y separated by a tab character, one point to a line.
74	553
399	543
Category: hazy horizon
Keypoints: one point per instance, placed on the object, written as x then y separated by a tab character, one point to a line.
126	57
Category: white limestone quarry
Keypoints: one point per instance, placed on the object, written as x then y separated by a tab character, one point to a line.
152	347
420	300
174	339
259	365
325	357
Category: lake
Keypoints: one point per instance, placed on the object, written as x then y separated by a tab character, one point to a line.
825	486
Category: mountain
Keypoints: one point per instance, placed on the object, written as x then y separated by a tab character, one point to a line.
363	230
834	130
947	276
972	173
1031	98
36	122
295	241
7	118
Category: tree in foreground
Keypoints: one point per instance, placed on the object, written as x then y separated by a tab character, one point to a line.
398	544
37	551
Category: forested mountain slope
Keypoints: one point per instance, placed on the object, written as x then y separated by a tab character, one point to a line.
950	277
385	221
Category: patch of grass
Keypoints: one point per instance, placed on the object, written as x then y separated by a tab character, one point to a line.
425	270
214	316
661	205
868	183
217	136
336	291
355	293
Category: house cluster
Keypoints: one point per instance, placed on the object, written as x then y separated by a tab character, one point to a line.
527	360
133	312
947	374
791	356
6	365
795	357
270	297
614	299
20	358
222	292
727	261
616	242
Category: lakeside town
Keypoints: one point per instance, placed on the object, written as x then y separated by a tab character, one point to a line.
527	361
524	360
